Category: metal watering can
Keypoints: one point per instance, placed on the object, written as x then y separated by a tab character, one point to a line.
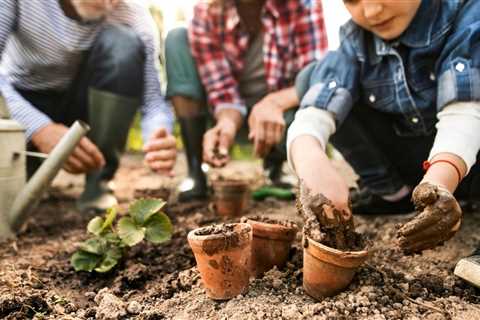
17	197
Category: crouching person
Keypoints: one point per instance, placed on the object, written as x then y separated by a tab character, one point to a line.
400	100
241	59
91	60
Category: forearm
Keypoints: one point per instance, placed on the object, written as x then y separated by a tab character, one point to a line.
230	116
284	99
457	141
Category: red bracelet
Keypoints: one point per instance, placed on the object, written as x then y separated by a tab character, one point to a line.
427	164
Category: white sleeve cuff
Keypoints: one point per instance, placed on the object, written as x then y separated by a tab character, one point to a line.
310	121
458	131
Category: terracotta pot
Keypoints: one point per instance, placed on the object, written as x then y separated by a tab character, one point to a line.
328	271
223	260
271	245
231	197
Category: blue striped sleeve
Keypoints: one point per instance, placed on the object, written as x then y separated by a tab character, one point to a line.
20	109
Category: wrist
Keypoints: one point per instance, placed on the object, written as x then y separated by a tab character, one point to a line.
230	117
445	170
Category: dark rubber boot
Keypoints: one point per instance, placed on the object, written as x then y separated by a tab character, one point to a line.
194	187
110	117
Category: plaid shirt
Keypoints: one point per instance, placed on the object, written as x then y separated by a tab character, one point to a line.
294	36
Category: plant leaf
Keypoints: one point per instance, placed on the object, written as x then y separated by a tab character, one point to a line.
109	218
94	245
110	260
129	232
85	261
141	210
95	226
159	228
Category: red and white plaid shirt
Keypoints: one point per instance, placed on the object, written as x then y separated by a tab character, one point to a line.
294	36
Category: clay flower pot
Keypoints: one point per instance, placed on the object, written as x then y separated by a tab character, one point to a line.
328	271
231	197
271	244
223	258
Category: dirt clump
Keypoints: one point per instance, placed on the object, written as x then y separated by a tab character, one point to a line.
224	237
326	224
160	193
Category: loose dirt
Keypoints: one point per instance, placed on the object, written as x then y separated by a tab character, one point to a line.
161	282
266	219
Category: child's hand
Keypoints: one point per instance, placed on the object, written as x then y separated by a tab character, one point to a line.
439	219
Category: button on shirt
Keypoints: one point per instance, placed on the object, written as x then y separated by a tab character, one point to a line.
42	50
435	62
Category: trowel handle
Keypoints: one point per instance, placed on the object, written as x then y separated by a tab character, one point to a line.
42	178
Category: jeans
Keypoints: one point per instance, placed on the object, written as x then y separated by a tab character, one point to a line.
376	146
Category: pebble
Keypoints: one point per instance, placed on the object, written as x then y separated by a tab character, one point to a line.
134	307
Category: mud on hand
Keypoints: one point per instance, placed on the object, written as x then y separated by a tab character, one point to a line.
323	222
439	218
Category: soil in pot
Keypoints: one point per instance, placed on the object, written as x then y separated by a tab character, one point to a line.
223	255
231	197
160	193
272	240
333	251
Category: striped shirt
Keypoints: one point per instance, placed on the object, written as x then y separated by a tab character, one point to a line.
41	49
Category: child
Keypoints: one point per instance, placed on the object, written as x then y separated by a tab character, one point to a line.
403	87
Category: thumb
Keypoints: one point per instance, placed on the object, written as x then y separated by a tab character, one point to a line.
224	142
161	133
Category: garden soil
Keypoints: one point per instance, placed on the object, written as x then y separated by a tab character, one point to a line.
161	282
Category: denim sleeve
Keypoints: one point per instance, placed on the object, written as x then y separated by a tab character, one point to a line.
459	66
331	83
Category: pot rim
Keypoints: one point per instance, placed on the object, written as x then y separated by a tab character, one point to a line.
336	252
243	228
273	231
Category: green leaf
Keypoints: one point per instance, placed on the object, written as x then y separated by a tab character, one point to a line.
110	260
129	232
98	225
142	210
159	228
85	261
94	245
109	218
95	226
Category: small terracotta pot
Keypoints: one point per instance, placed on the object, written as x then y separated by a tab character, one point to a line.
223	261
231	197
271	245
328	271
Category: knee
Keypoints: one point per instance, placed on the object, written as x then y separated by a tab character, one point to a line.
177	39
120	49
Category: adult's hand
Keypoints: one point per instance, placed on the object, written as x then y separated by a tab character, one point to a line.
439	218
86	157
161	152
266	124
217	142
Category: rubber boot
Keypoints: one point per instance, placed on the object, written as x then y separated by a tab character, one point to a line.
194	187
110	117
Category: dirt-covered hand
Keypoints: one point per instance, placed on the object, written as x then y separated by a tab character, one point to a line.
439	218
319	213
217	142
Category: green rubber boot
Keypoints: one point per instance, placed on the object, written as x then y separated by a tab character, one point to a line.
110	117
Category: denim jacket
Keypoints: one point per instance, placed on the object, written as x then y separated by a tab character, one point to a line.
436	61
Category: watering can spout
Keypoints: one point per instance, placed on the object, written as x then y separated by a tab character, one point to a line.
31	193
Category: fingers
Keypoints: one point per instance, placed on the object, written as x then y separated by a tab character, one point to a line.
419	223
259	140
159	143
94	154
425	194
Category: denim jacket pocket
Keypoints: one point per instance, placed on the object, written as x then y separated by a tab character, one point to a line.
380	95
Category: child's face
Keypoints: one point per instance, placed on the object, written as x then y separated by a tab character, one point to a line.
388	19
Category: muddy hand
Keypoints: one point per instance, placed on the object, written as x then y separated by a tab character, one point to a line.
438	220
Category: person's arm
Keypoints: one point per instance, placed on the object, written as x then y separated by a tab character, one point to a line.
457	141
328	93
213	66
21	110
157	115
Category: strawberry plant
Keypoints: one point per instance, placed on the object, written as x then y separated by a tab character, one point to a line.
109	243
